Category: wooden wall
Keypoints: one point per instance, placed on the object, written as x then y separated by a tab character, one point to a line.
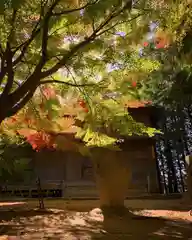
71	168
74	174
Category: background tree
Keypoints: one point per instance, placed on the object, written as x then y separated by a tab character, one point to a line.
15	157
170	84
169	87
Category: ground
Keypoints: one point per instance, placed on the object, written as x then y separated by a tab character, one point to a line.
83	220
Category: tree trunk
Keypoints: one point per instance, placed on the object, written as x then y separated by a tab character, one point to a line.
112	178
1	116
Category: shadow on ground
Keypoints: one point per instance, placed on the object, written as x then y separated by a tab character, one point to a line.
66	225
86	205
131	226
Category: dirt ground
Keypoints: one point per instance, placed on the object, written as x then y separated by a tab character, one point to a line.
83	220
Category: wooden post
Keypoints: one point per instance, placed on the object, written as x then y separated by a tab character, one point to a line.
40	194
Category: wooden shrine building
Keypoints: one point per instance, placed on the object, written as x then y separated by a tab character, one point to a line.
71	175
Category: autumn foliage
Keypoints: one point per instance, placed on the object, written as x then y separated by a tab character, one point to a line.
82	104
40	140
134	84
145	44
41	123
49	93
161	40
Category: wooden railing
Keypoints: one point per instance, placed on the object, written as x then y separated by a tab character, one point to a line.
52	189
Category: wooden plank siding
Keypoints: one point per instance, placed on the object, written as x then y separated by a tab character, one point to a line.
71	175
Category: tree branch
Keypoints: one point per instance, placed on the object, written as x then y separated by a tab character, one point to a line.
27	89
1	50
75	9
10	73
32	82
45	34
20	104
44	41
3	69
65	58
118	23
5	56
114	14
66	83
82	44
25	46
11	34
3	62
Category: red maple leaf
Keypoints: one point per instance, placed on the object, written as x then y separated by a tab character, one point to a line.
49	93
13	119
145	44
82	103
34	146
160	45
134	84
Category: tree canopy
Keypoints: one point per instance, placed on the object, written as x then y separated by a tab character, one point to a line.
67	122
15	157
54	40
91	46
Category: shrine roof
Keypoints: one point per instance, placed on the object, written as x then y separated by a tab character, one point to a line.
138	104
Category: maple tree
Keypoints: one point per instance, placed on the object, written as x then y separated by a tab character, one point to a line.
102	127
91	48
38	38
50	118
68	42
130	68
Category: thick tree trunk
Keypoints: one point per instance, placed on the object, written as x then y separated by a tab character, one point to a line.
2	117
112	178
